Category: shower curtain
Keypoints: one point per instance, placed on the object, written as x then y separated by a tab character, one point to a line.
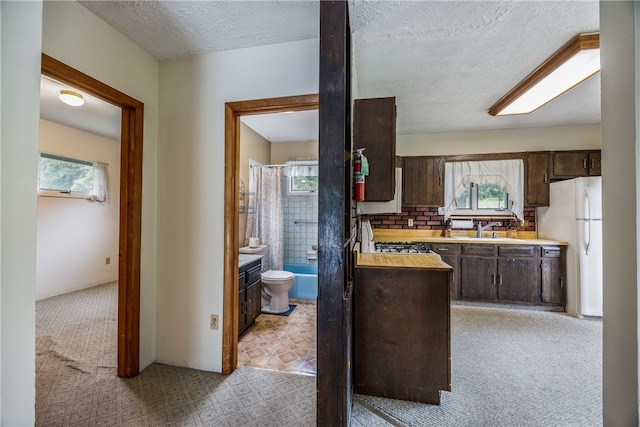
265	220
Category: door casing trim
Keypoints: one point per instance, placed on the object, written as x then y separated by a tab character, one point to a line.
233	111
130	236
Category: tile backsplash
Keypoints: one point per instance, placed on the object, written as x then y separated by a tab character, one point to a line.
427	218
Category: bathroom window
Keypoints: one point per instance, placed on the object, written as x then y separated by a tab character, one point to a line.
303	177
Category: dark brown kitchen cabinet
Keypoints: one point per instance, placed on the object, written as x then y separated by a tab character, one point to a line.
374	129
423	181
402	333
249	295
536	191
517	278
552	272
573	164
478	266
449	254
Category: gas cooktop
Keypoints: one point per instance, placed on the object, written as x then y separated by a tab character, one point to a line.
402	247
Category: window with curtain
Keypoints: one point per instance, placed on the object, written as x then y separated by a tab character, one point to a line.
492	187
63	176
302	177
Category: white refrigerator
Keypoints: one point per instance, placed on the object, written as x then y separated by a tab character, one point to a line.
574	215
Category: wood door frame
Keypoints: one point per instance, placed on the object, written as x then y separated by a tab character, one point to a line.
130	237
233	111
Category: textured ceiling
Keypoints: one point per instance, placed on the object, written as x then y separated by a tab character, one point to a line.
448	62
445	62
172	29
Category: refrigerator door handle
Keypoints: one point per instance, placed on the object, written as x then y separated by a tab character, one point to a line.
588	221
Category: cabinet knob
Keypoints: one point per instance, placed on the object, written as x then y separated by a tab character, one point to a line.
584	163
546	178
593	163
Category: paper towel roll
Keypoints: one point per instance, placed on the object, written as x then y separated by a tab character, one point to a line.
459	223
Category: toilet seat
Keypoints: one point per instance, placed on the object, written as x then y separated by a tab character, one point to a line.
276	275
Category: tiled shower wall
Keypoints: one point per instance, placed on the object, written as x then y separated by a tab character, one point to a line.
300	227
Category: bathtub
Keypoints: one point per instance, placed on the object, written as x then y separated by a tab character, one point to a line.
305	283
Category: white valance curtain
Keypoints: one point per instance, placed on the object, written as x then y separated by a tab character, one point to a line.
100	191
508	174
301	168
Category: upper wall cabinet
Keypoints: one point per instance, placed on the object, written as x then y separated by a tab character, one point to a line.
374	128
572	164
423	181
536	192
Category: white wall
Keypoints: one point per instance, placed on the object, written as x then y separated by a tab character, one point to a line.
620	56
74	236
193	92
252	146
20	35
78	38
581	137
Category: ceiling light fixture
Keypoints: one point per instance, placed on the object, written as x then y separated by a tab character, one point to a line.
71	98
575	62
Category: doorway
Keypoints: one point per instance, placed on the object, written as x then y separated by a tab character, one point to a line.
233	112
131	139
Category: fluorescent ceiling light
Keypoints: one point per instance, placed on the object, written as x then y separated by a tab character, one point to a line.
572	64
71	98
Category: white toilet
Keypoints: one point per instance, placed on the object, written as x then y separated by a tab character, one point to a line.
275	285
275	291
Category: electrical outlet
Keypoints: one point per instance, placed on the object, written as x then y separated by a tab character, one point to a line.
410	222
213	323
107	260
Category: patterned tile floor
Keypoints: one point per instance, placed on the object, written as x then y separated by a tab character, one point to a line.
280	343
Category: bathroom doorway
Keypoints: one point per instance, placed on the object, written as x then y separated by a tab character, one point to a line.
279	208
233	113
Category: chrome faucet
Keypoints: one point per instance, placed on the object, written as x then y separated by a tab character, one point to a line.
481	228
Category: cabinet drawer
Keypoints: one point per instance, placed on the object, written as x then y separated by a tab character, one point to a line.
551	251
253	274
445	248
527	251
241	281
481	250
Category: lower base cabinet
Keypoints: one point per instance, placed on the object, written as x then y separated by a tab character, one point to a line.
401	330
249	295
522	274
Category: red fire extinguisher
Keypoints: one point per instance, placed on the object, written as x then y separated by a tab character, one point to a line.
358	176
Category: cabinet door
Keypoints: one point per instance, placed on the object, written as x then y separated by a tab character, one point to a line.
454	285
449	254
478	278
242	311
595	168
423	181
435	184
537	179
553	290
517	279
374	129
254	302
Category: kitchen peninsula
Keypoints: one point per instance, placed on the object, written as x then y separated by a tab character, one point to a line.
402	329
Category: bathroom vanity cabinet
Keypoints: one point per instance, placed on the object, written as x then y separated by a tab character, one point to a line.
249	290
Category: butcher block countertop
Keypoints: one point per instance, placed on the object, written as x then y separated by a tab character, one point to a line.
400	261
461	236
